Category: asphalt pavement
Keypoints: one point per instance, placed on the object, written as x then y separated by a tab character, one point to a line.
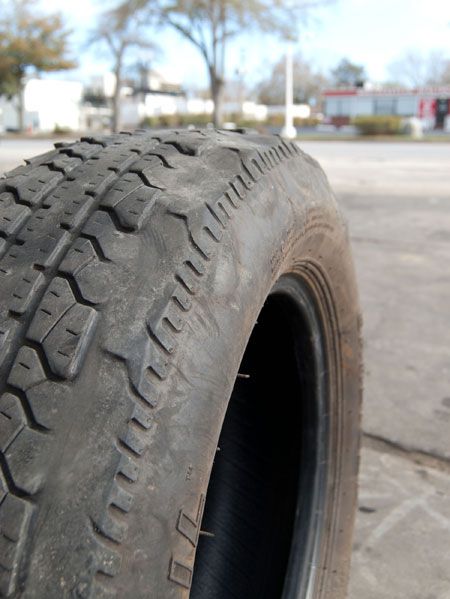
396	197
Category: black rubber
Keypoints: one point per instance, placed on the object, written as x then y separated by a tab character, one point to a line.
137	272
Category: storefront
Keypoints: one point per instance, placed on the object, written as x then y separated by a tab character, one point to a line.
431	104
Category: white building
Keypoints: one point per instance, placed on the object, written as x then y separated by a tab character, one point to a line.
48	104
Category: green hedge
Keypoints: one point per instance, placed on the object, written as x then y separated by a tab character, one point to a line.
201	120
277	120
176	120
378	125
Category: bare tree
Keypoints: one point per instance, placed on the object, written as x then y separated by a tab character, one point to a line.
210	24
348	74
118	30
414	69
308	83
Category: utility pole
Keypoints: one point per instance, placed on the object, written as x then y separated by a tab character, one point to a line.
289	131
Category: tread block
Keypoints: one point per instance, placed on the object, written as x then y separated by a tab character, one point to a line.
35	226
91	274
75	211
168	155
3	485
41	158
131	200
142	417
15	514
204	230
12	419
45	400
95	175
134	441
134	211
181	573
98	591
70	204
221	209
120	498
67	343
57	300
101	228
83	150
155	173
27	370
37	183
12	215
7	551
12	513
93	282
108	561
8	328
187	278
68	189
181	298
111	528
119	161
22	169
166	320
148	167
128	468
48	249
126	185
80	254
254	165
25	291
190	145
65	163
27	458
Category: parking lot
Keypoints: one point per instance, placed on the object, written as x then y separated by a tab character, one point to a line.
396	197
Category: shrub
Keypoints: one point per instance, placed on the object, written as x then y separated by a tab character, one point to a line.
175	120
275	120
58	130
378	125
311	121
198	120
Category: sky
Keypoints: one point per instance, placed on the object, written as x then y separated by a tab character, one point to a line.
373	33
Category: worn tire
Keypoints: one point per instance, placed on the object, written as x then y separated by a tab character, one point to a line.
134	270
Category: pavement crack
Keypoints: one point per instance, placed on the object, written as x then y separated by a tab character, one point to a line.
418	456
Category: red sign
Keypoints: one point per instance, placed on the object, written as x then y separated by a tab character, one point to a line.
427	108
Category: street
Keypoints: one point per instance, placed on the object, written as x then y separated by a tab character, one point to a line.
396	198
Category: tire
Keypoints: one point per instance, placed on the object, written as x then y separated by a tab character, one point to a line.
173	303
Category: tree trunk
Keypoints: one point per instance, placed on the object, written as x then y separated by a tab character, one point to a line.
216	86
115	121
21	107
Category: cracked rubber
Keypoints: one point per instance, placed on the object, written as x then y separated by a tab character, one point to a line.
132	271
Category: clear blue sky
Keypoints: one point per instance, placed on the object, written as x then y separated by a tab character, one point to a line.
369	32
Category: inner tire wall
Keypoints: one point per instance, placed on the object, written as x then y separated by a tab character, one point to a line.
254	486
